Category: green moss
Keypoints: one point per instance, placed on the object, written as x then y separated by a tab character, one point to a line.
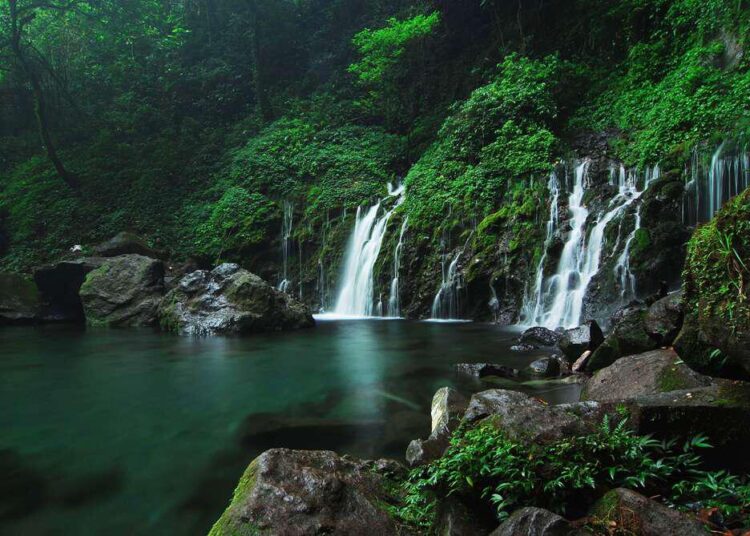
227	524
672	378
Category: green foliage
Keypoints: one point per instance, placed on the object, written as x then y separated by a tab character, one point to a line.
728	493
482	464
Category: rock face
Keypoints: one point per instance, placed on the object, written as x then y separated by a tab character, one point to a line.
59	284
126	243
534	522
577	340
540	335
650	373
229	299
123	291
448	406
632	513
663	320
627	338
19	300
289	493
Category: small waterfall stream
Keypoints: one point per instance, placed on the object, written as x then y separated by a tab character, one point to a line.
355	297
286	244
446	305
394	301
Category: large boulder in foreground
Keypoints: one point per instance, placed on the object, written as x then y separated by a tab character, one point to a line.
632	513
649	373
19	300
294	493
126	243
123	291
532	521
716	281
229	299
58	285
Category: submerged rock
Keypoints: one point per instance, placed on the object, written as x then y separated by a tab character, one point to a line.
535	522
123	291
126	243
481	370
632	513
229	299
19	299
650	373
292	492
540	335
575	341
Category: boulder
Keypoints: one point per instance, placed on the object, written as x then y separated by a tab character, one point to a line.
293	492
229	299
58	285
663	319
522	417
448	406
123	291
632	513
649	373
694	348
126	243
456	518
575	341
579	365
480	370
546	367
19	300
540	335
522	348
532	521
628	337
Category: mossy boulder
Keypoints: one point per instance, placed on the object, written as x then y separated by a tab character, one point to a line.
663	320
229	300
294	492
123	291
649	373
126	243
19	299
717	280
629	512
628	337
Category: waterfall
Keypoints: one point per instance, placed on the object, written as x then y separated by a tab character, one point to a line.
446	304
726	175
357	288
394	301
286	244
533	308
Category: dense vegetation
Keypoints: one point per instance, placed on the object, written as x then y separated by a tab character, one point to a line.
189	123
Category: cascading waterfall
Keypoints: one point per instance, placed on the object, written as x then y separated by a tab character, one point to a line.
356	295
394	301
534	308
446	304
726	175
286	244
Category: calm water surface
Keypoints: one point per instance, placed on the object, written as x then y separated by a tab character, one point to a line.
137	432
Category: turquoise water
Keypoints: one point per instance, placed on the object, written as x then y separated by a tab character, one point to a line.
137	432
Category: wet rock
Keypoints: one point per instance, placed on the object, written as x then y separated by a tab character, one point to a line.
546	367
19	300
632	513
524	418
535	522
627	338
126	243
288	492
229	299
541	336
663	320
575	341
58	285
650	373
522	347
580	364
123	291
448	406
480	370
455	518
694	348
